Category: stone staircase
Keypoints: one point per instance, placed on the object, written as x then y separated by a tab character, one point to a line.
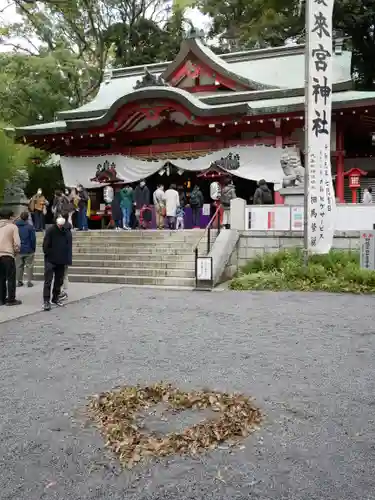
158	258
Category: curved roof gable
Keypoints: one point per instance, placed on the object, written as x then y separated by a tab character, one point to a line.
258	68
196	47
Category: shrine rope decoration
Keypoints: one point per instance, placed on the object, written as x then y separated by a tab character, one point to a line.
120	417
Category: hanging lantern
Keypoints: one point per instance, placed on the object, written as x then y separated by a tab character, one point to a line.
215	190
108	194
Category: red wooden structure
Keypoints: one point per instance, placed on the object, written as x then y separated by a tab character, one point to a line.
202	102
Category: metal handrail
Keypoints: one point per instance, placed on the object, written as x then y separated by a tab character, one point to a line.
207	230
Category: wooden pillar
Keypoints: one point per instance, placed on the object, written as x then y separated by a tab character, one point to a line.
279	200
278	134
340	155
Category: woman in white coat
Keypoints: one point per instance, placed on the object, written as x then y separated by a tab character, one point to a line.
172	201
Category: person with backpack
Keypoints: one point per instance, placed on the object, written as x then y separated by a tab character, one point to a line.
25	259
228	193
196	203
262	195
61	204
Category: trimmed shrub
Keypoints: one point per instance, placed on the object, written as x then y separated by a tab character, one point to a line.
337	271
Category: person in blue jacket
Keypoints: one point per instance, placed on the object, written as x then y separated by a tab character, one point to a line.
25	259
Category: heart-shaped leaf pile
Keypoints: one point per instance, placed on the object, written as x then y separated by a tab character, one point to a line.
116	414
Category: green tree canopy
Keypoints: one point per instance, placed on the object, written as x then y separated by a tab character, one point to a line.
145	41
60	49
33	88
12	157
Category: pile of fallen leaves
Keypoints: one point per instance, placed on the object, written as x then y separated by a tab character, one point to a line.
117	415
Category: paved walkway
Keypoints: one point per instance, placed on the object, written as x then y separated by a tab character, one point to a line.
307	358
32	298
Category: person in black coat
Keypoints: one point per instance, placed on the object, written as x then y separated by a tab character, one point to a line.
116	210
58	252
141	199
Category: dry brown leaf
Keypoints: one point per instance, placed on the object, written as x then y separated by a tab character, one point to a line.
116	414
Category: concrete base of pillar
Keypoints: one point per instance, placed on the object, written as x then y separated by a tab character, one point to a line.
16	207
293	196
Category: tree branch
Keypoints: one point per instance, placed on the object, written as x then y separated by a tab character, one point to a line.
18	47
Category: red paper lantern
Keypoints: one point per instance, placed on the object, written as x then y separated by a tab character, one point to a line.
355	175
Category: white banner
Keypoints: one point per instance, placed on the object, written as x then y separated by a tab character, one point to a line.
256	162
321	196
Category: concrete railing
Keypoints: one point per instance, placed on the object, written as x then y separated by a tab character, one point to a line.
349	217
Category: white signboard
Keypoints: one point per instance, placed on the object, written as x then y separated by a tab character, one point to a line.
268	218
206	210
367	250
204	268
296	218
321	197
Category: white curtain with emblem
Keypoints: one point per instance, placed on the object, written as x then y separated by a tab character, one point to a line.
256	162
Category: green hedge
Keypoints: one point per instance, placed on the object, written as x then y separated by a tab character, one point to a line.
337	271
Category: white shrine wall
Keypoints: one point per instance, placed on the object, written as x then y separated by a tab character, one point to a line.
349	217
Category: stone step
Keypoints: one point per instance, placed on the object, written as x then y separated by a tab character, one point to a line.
129	264
129	246
134	241
121	251
160	235
130	256
126	271
129	280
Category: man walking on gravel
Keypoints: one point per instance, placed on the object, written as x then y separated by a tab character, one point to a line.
57	248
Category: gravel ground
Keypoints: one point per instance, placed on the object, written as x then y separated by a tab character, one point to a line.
307	358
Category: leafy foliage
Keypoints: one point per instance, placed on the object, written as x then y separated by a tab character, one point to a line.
33	88
60	49
145	41
337	271
117	415
12	157
49	178
259	23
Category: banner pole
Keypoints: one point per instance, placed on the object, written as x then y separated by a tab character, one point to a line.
306	152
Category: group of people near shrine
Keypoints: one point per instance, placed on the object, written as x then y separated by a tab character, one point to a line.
75	202
132	208
138	207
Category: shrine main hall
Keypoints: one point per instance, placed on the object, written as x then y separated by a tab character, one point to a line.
180	116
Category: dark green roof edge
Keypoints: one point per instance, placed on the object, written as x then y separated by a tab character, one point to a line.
239	109
194	105
294	108
267	94
211	100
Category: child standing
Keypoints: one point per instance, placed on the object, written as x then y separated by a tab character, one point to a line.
180	214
